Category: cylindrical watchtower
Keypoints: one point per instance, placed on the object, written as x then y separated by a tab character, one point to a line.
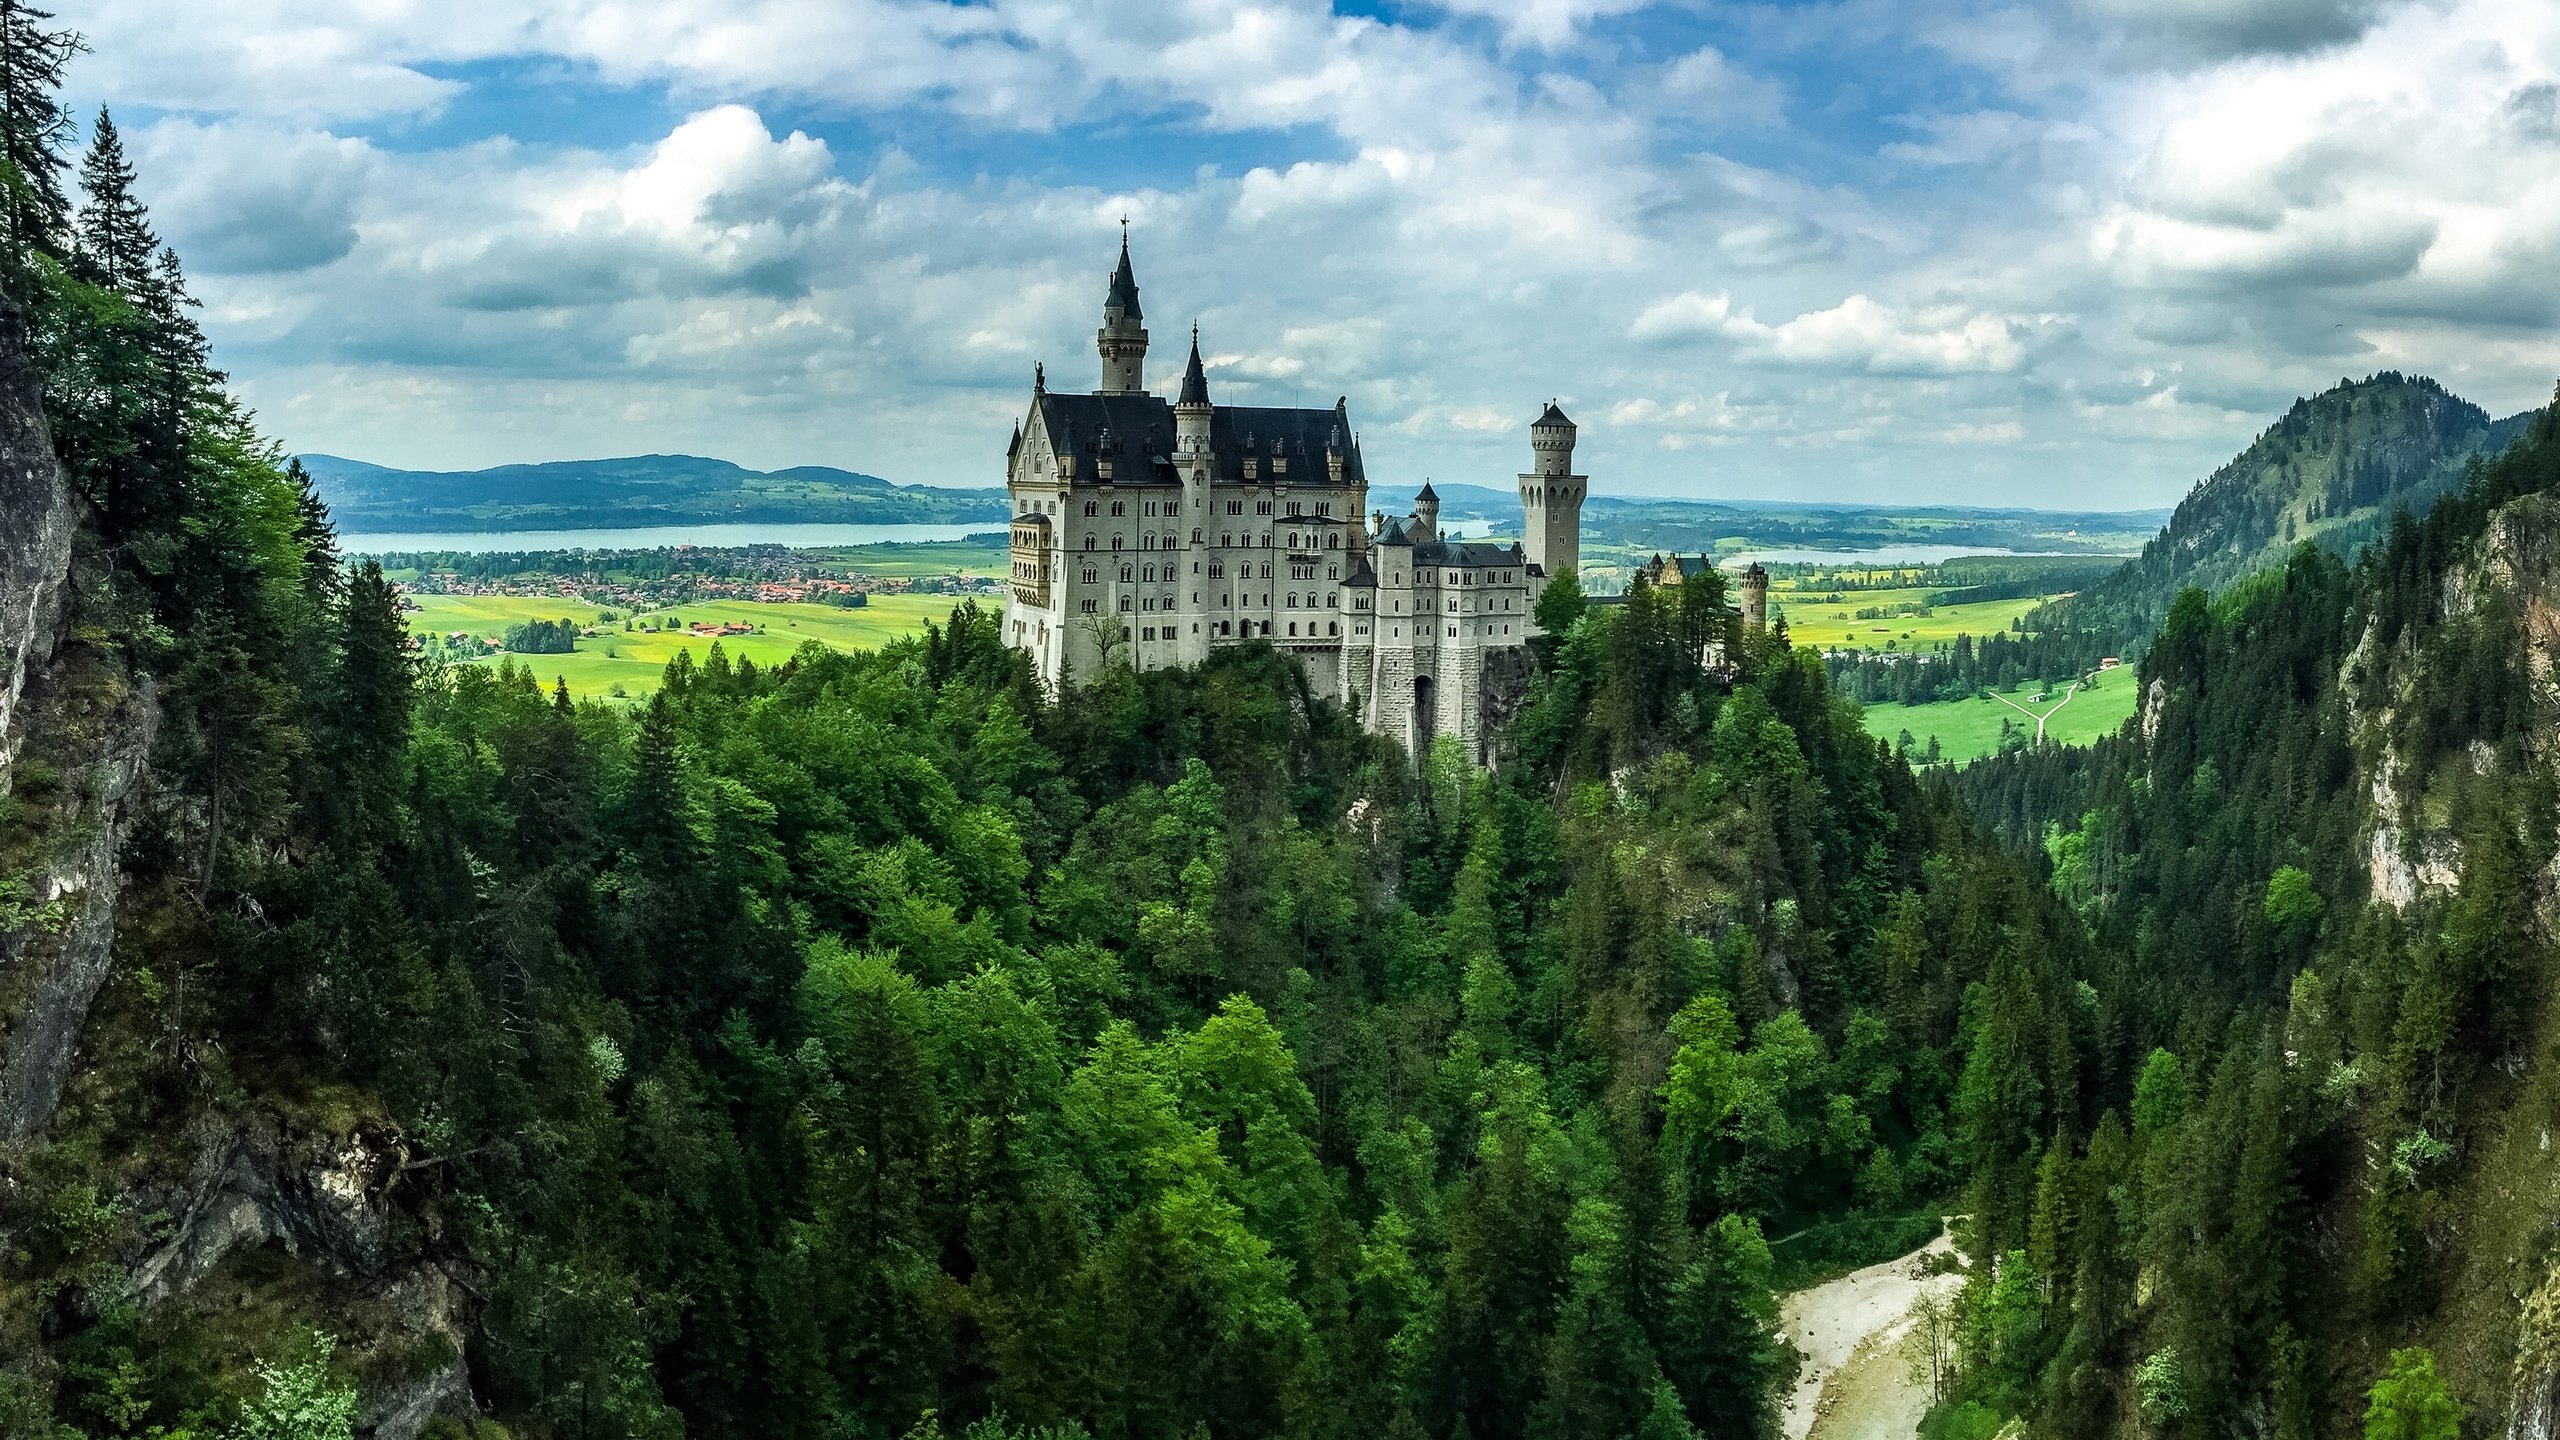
1551	496
1755	597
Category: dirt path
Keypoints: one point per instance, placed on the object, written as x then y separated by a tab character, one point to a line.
1855	1384
2068	692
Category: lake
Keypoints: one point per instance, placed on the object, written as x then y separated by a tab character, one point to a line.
657	536
481	542
1894	555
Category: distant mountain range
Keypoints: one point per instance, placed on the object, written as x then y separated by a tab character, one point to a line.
637	490
2331	471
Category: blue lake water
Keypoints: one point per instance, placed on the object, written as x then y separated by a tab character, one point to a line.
481	542
657	536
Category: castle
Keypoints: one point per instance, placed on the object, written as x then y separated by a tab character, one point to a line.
1153	533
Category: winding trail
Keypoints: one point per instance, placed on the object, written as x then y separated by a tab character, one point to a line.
1856	1383
2068	691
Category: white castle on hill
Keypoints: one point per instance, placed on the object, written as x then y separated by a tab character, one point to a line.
1153	533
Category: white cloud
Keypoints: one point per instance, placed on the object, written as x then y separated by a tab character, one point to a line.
1446	219
1858	334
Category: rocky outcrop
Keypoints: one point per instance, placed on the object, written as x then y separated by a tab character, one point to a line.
324	1199
36	521
76	727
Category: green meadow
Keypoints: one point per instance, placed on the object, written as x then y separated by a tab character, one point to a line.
1970	729
634	659
1827	624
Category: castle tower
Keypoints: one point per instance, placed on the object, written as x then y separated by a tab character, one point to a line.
1191	416
1123	336
1551	496
1755	598
1426	511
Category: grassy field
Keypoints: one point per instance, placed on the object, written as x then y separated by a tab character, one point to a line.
1825	624
633	660
1970	729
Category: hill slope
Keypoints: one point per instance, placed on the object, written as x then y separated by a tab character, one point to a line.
634	490
2332	470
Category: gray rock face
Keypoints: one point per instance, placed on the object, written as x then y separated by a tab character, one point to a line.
36	517
93	722
325	1200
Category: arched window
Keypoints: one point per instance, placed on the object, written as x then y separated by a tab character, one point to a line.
1148	573
1266	539
1331	600
1125	605
1333	542
1088	542
1293	629
1125	575
1195	535
1333	627
1224	538
1115	542
1090	507
1293	600
1266	569
1118	508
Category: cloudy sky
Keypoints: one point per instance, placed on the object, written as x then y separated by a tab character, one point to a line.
2026	252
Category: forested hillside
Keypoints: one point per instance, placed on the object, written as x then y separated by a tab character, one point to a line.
2317	883
2332	471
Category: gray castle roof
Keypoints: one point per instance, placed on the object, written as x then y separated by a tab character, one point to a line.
1553	416
1141	430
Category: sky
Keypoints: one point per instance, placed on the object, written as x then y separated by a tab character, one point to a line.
2071	253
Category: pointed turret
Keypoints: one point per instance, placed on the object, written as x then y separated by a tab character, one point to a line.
1122	340
1426	510
1191	416
1195	381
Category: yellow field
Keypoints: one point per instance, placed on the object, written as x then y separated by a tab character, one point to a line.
628	663
1825	624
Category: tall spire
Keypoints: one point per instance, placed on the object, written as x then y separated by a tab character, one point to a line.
1122	340
1124	281
1195	381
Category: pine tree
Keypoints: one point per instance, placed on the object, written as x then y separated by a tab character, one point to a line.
113	246
34	129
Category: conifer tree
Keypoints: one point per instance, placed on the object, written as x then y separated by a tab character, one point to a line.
34	129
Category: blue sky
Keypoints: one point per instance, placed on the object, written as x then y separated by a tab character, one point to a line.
2070	253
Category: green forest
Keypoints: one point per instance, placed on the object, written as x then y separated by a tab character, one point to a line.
875	1044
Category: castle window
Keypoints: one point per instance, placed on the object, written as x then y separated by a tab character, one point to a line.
1118	508
1225	539
1088	607
1115	542
1266	569
1091	575
1333	627
1090	507
1195	536
1217	570
1293	599
1333	542
1293	629
1331	600
1148	573
1088	542
1126	605
1126	575
1261	507
1293	507
1333	572
1453	632
1324	507
1235	507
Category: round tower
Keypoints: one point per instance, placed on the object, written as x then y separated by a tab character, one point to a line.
1551	495
1426	511
1755	597
1123	336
